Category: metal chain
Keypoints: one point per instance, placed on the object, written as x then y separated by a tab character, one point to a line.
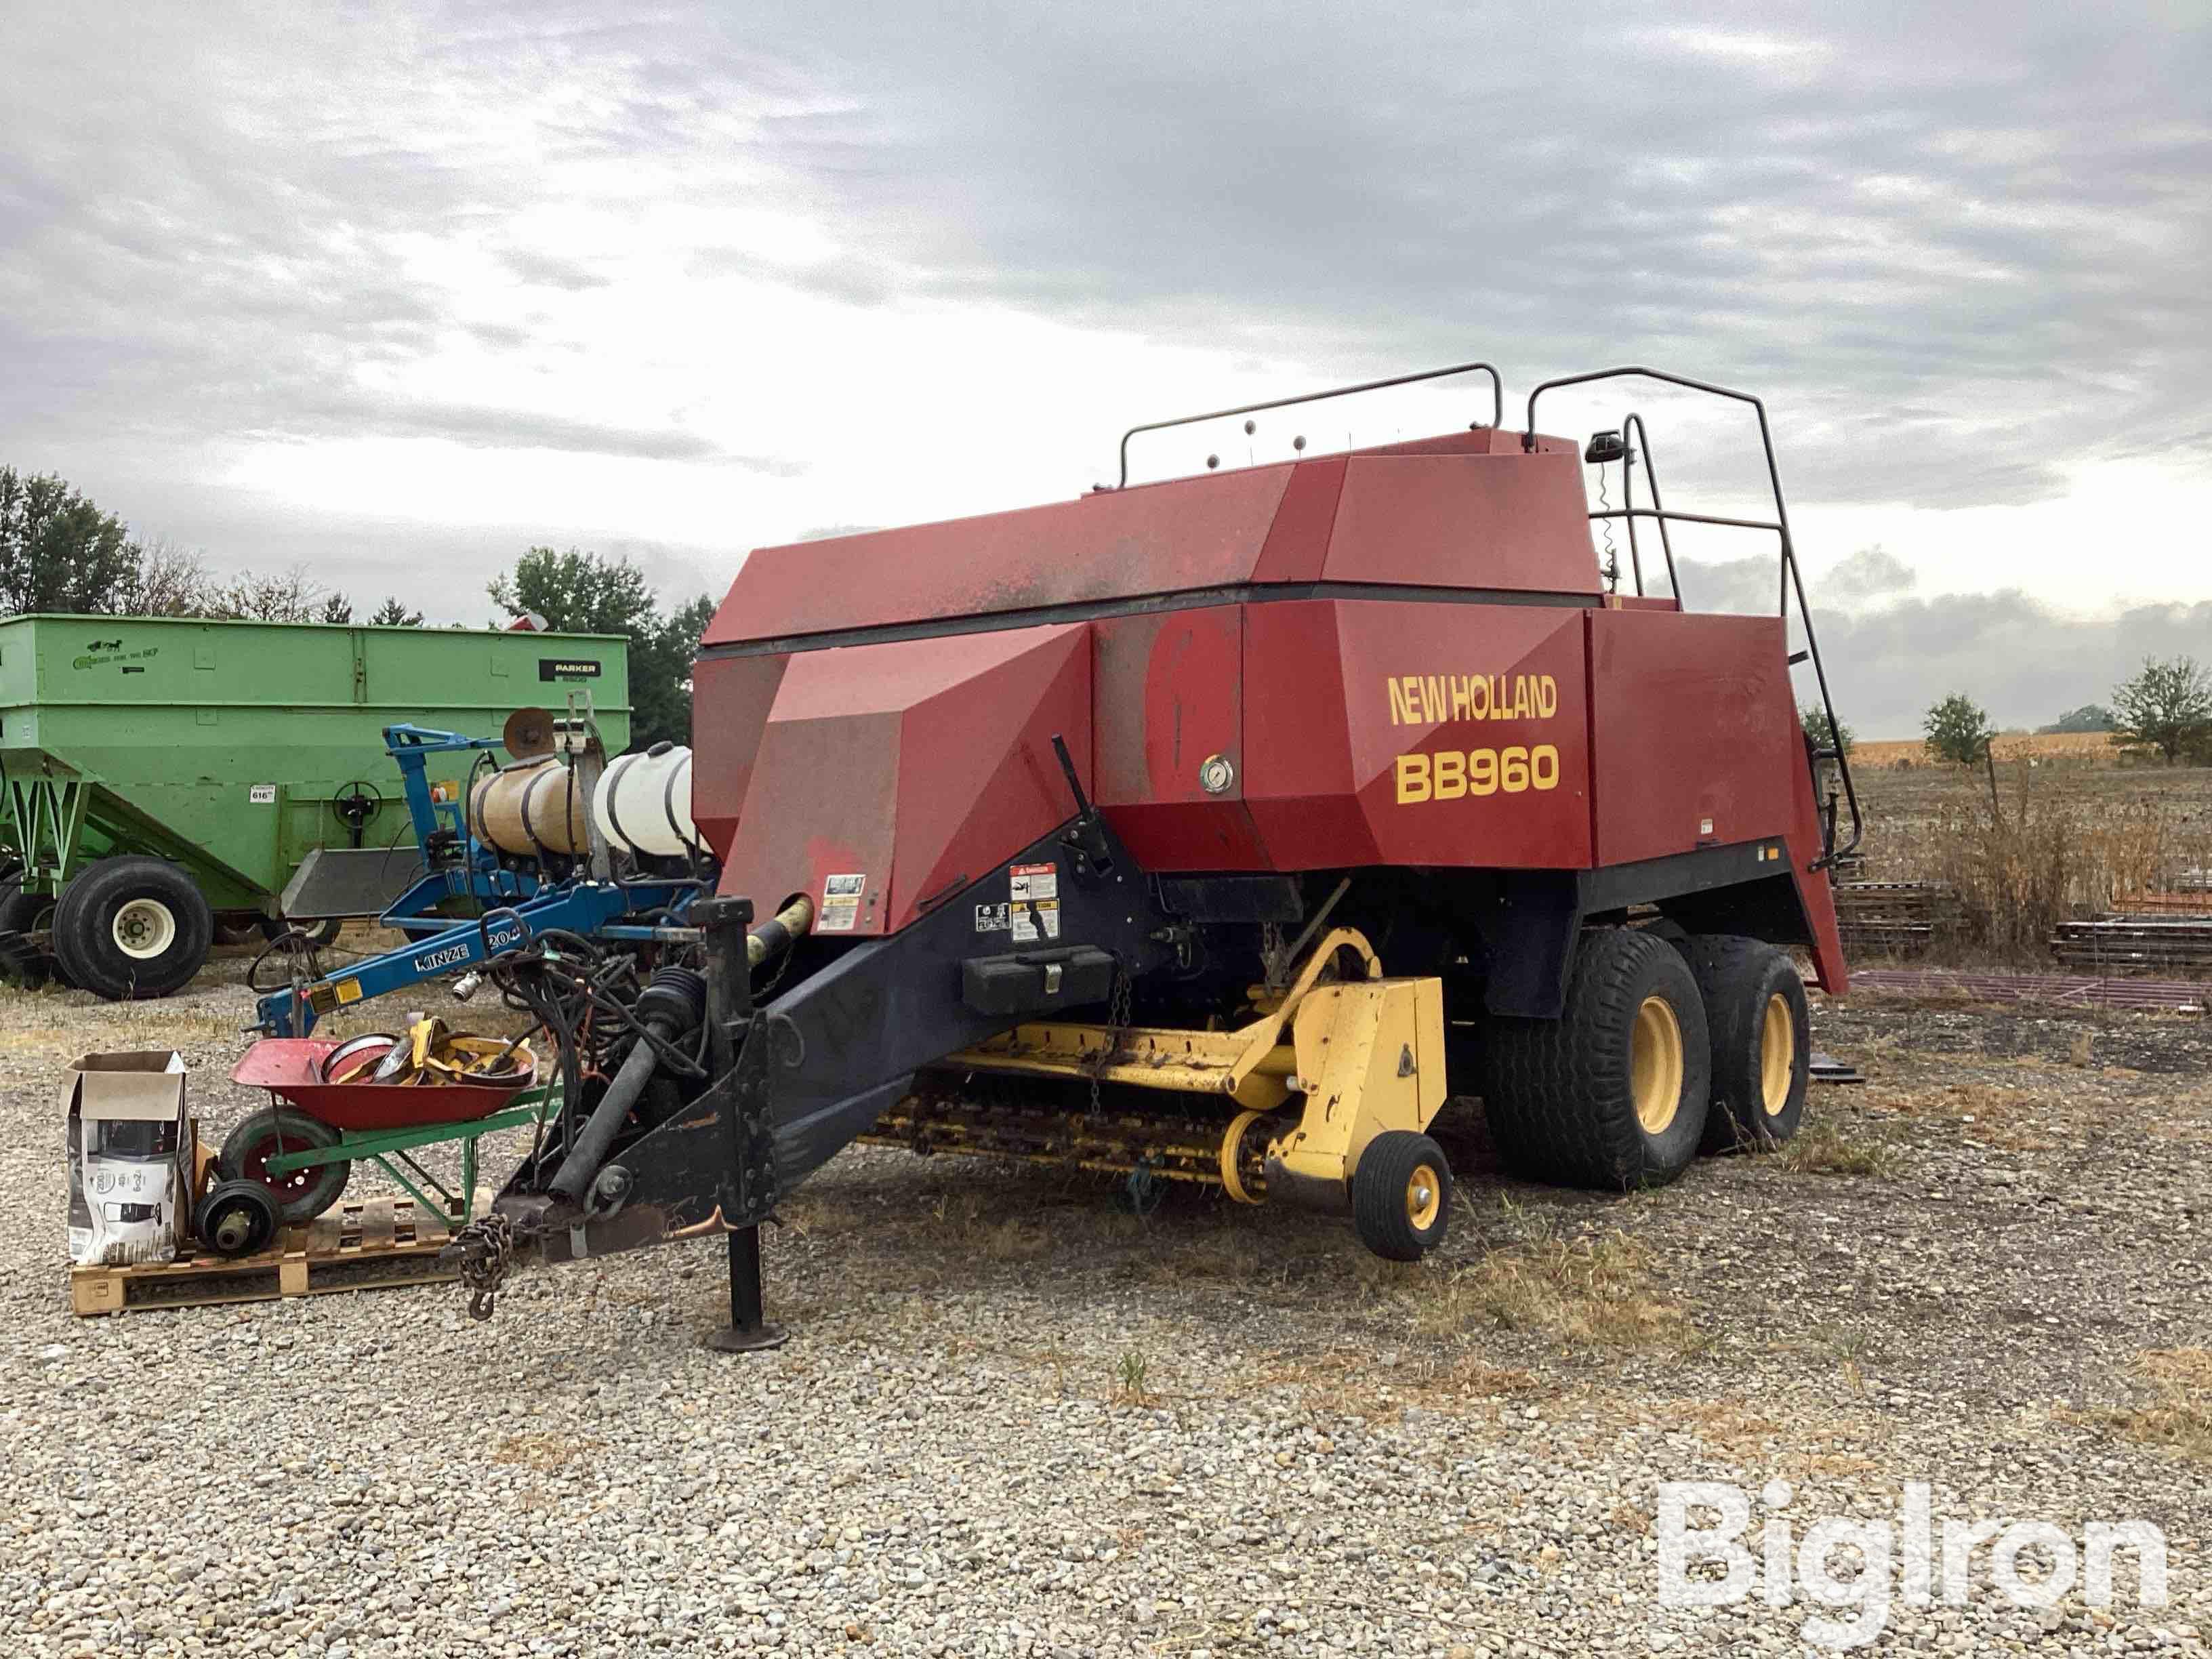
1117	1025
488	1254
1612	557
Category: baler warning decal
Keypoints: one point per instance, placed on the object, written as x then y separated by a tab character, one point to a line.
840	903
1033	901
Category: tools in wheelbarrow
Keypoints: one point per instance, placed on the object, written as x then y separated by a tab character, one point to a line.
429	1055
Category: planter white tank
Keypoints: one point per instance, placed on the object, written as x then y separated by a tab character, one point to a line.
643	803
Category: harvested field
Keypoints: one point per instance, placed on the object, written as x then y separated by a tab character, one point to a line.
2061	844
2069	749
1014	1421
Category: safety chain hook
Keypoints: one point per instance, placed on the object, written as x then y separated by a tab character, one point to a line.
487	1245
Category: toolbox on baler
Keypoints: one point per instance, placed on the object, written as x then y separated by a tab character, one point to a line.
1215	831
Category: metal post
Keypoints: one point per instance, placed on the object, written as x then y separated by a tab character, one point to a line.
723	923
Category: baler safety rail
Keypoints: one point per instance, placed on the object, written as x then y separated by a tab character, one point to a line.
1792	579
1497	405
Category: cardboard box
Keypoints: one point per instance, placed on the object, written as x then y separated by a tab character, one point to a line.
130	1157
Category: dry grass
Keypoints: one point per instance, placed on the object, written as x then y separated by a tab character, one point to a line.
2012	1119
1597	1291
2057	845
2180	1418
1829	1145
1345	1383
542	1451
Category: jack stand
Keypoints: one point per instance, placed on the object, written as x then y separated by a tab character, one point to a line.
747	1331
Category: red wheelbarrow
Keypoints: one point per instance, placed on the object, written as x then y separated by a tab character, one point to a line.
324	1116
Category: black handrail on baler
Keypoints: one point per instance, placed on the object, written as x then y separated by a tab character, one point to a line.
1792	578
1496	403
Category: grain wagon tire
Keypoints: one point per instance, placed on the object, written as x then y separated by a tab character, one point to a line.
132	926
1761	1039
301	1195
236	1218
1402	1192
1613	1094
236	930
28	912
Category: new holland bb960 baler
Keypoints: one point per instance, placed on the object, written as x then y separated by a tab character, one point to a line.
1219	830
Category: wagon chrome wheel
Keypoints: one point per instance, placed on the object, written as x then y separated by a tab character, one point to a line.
1777	1055
143	928
1655	1064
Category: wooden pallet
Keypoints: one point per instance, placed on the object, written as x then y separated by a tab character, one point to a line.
367	1245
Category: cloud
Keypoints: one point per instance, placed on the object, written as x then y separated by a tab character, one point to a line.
1870	574
1887	662
629	269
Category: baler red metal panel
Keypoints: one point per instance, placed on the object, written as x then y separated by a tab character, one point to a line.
1300	782
1488	521
1694	729
1160	538
730	700
1404	732
1170	695
1297	542
905	768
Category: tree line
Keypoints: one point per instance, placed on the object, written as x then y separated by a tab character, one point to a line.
59	552
2165	706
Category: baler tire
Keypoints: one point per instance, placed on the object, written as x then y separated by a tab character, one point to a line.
1395	1216
86	940
1762	1041
1562	1096
25	913
301	1195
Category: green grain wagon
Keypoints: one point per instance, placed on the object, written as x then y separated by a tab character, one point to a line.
161	778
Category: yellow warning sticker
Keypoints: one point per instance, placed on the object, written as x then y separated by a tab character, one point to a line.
348	990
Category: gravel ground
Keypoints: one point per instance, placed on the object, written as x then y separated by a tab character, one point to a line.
1014	1421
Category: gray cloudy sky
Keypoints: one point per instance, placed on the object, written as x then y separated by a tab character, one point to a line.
399	290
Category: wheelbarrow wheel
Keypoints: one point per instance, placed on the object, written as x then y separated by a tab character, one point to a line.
299	1195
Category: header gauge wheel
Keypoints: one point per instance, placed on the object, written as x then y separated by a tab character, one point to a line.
1402	1192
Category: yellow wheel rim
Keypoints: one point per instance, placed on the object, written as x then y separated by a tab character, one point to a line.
1232	1158
1778	1054
1655	1064
1425	1194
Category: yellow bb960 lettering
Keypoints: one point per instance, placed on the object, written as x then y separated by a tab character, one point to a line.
1453	774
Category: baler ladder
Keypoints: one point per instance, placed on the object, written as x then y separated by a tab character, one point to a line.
1793	581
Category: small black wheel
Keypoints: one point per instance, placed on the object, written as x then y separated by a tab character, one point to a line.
299	1195
1762	1041
1402	1192
27	913
325	932
236	1218
1615	1093
132	926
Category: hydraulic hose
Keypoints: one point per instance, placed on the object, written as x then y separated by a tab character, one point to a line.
775	934
672	1005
